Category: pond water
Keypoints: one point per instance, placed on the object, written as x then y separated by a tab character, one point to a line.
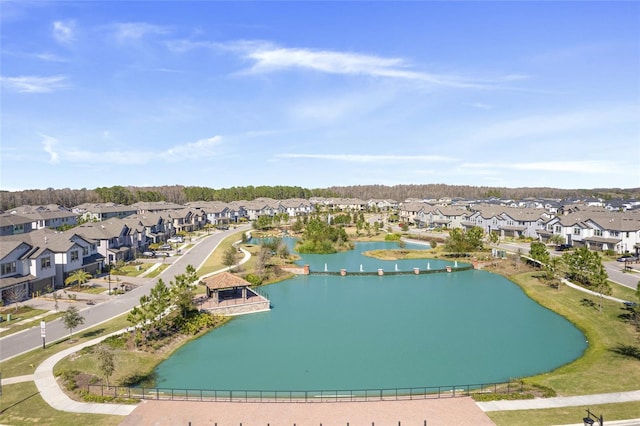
378	332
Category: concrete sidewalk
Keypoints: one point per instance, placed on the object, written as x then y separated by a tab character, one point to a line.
561	401
54	396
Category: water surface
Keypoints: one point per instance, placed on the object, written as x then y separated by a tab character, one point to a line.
371	332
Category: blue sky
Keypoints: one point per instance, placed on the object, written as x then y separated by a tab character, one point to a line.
317	94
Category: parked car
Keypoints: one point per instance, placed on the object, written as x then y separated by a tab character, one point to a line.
165	247
165	254
175	240
564	247
629	258
149	253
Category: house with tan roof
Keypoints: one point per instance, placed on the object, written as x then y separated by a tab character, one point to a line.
409	211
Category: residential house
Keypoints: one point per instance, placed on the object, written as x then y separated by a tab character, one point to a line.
441	217
187	219
409	211
50	216
597	229
42	260
13	224
103	211
217	212
296	207
143	207
382	205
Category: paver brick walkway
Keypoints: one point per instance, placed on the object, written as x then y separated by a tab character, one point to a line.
443	412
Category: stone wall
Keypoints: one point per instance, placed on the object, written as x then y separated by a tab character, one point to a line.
241	309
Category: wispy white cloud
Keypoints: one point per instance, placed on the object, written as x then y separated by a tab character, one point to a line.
203	148
35	84
131	31
48	144
64	31
49	57
42	56
198	150
480	105
367	158
268	57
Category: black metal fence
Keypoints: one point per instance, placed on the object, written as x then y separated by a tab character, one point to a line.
394	394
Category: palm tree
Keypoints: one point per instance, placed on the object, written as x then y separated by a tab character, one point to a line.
79	277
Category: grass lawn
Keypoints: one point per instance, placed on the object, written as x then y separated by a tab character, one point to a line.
600	370
566	415
14	327
214	262
26	363
157	271
21	404
89	289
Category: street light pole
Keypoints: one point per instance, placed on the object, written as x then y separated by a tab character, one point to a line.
109	278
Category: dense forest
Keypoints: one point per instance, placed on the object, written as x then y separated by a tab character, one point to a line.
181	194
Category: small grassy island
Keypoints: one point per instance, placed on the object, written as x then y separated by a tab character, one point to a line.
321	238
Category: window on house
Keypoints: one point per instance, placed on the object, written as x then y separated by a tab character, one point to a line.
614	233
85	251
74	255
576	231
45	262
597	232
8	268
558	229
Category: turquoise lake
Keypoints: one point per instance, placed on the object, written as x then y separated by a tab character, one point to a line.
328	332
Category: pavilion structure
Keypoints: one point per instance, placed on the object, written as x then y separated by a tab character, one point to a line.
229	294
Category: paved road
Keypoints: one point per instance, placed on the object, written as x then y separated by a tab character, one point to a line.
24	341
614	269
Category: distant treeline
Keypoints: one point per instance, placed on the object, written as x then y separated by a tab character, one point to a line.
181	194
440	191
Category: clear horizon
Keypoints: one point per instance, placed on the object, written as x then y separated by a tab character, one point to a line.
319	94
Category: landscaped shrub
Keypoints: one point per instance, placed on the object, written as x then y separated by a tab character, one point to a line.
253	279
392	237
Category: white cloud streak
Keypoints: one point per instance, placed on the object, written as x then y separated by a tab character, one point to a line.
35	84
131	31
48	144
192	151
64	31
203	148
268	57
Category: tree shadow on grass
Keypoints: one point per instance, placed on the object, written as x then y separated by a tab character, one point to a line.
627	350
93	333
